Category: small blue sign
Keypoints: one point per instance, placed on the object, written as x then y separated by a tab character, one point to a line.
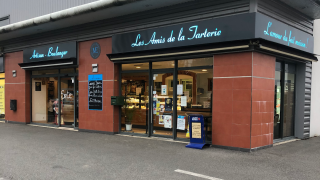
196	130
95	50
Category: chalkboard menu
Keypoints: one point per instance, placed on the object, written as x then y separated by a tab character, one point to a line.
95	92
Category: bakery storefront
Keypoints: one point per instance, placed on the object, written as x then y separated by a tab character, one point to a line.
53	83
246	74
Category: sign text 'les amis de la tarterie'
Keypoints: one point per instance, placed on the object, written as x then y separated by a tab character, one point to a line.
180	37
232	28
193	33
56	51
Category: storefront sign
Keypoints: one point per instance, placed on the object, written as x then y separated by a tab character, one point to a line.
276	31
194	33
95	90
56	51
231	28
95	50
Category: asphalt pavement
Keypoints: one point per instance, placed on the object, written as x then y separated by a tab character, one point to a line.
28	152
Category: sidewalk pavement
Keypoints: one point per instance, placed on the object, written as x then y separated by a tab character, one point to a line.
28	152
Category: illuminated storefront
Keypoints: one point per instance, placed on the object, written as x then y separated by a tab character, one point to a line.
247	74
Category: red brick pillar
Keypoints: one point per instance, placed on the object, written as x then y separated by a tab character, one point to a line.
262	100
235	78
107	119
17	88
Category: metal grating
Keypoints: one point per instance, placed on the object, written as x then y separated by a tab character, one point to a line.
307	101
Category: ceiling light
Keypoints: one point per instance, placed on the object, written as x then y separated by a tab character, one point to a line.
204	70
138	67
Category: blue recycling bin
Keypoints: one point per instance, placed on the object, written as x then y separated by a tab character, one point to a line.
196	131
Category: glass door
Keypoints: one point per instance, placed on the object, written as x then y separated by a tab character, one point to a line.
289	100
68	94
162	104
284	105
277	102
134	113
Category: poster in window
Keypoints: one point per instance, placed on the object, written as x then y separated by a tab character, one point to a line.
168	104
179	89
181	124
167	121
163	89
38	86
161	121
183	101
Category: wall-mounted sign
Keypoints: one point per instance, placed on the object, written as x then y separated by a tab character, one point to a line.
194	33
231	28
276	31
95	50
95	90
65	50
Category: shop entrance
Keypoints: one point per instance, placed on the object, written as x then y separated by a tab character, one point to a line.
162	107
54	96
284	100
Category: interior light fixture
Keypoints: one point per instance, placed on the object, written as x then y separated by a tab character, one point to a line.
204	70
138	67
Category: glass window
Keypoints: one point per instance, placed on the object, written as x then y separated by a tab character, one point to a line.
196	88
45	72
135	66
67	101
45	100
196	62
134	114
163	65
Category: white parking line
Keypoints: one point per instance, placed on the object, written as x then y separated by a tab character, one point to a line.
196	174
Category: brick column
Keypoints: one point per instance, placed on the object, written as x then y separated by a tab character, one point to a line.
17	88
107	119
236	79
